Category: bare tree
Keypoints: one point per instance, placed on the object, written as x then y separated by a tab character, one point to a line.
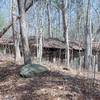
64	4
40	38
49	17
88	38
79	11
16	35
79	15
27	5
23	32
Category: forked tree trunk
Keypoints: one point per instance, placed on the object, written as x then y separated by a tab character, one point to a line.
28	4
16	35
23	32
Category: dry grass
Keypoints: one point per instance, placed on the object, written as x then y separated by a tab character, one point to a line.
57	84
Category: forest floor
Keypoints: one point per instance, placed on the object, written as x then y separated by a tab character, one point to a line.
54	85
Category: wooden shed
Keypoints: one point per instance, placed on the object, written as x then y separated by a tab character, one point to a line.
6	45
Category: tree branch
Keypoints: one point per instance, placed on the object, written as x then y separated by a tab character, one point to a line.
27	5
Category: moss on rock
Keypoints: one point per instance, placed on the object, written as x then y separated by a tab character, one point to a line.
30	70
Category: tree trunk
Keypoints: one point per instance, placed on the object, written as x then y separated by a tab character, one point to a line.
98	61
65	31
40	49
79	10
88	39
16	35
28	4
49	19
23	32
39	39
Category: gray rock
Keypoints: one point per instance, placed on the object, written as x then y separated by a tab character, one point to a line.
31	70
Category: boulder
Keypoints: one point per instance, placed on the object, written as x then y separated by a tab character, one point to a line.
31	70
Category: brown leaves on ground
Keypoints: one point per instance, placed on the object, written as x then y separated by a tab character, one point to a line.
50	86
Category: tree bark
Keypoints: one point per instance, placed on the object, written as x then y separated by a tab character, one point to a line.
24	32
88	39
27	5
65	30
40	41
49	19
79	10
99	61
16	35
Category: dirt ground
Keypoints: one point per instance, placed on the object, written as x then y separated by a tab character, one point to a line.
54	85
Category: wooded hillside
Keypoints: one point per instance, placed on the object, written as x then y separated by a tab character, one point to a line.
48	45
